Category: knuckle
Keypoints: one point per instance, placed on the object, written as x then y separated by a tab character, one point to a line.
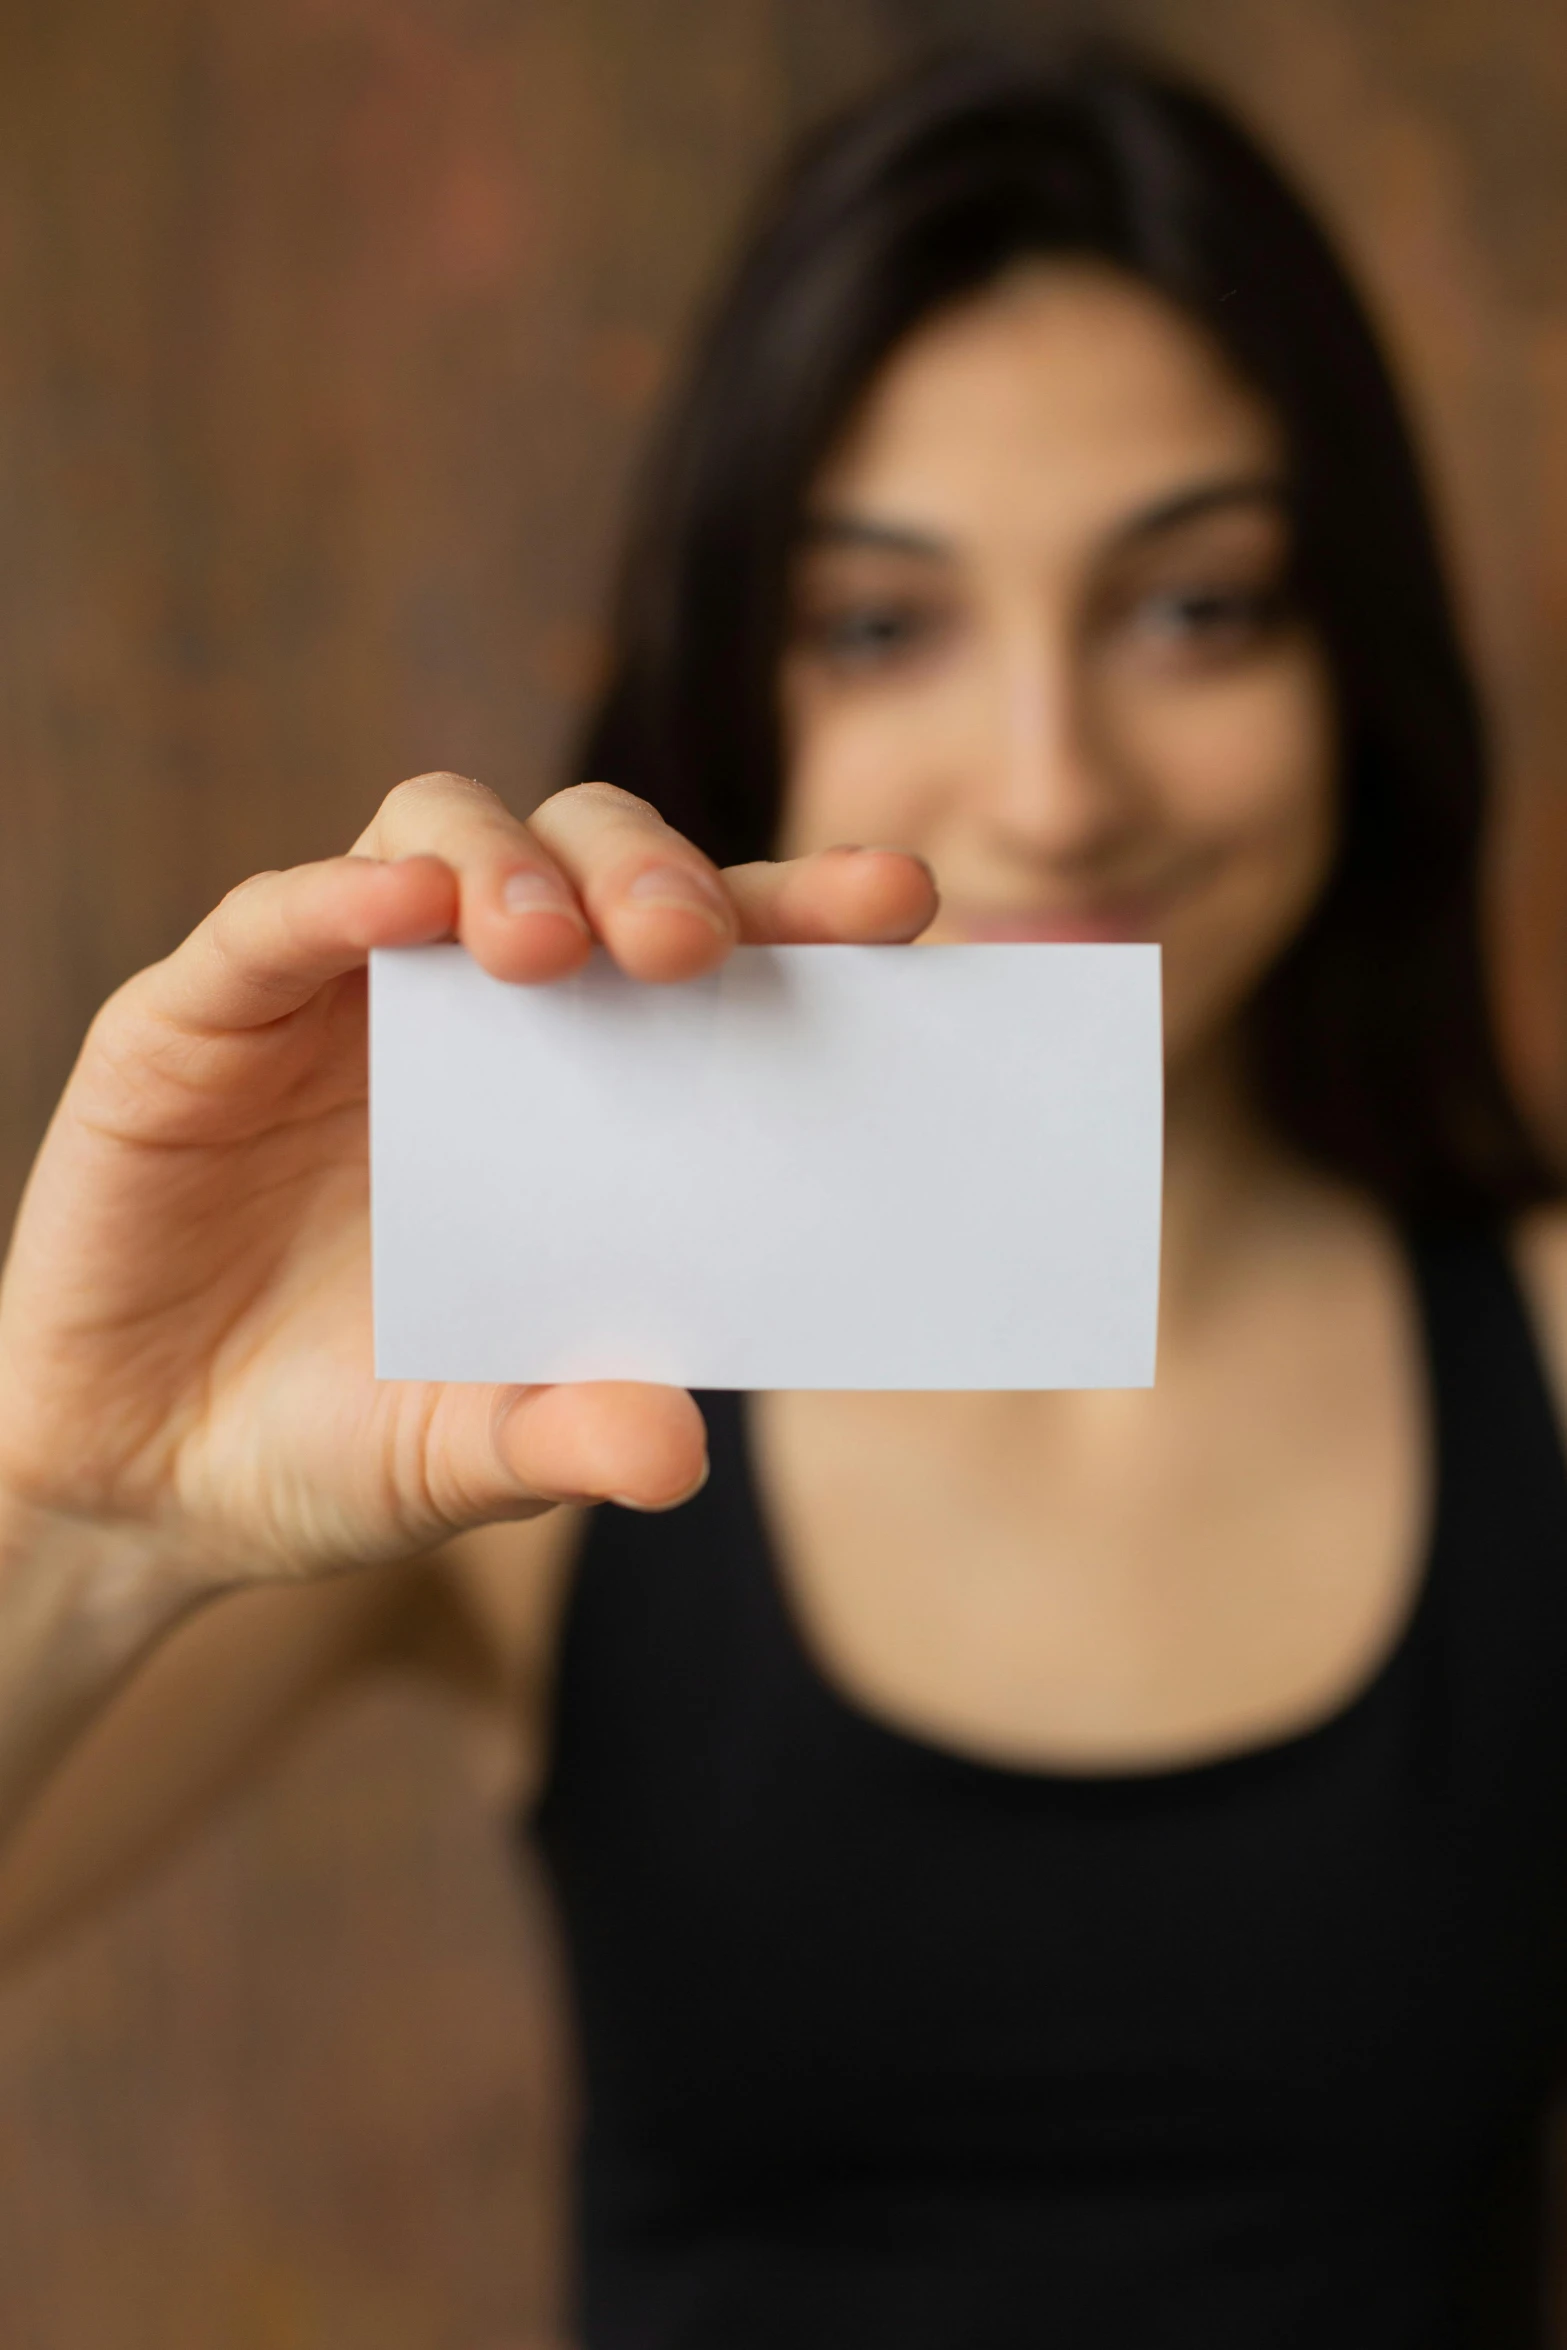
612	800
394	804
439	777
116	1017
223	935
244	889
436	783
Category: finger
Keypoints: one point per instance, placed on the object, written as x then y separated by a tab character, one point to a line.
852	896
279	938
517	913
514	1449
658	904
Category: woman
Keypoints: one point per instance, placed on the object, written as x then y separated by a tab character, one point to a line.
1082	1868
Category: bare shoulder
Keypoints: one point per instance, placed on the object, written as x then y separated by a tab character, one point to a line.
1540	1250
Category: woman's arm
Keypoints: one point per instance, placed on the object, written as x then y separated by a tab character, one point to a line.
230	1685
188	1406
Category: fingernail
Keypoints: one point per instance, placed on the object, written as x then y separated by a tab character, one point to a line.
691	893
528	891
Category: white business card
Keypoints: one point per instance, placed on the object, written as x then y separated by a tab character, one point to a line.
819	1166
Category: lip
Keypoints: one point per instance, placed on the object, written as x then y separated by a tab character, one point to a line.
1124	922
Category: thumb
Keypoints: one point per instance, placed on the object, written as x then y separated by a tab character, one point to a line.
503	1452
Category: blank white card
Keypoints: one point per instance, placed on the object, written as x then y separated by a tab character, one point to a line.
820	1166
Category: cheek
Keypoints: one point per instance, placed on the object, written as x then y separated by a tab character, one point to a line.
1248	778
1249	769
861	766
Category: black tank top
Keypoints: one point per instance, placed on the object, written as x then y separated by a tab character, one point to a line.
888	2048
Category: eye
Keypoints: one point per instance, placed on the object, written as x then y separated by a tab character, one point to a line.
1208	615
869	633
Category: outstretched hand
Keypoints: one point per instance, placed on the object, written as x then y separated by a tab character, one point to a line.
185	1343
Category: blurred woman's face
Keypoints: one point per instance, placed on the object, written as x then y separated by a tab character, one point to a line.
1041	633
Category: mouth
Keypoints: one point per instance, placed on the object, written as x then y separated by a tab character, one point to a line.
1121	921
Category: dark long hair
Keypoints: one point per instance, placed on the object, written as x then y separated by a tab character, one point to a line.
1372	1043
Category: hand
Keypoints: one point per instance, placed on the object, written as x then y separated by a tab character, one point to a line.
185	1344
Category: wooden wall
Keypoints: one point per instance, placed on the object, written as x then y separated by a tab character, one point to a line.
327	331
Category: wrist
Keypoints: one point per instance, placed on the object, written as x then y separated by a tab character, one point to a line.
121	1584
82	1602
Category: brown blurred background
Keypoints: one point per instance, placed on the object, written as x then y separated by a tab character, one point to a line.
328	329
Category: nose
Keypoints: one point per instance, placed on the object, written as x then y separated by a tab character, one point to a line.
1052	789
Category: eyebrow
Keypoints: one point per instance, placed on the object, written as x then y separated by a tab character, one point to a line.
860	530
1171	513
1203	498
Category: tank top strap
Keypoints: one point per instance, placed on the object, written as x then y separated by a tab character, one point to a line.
1495	1617
1498	1439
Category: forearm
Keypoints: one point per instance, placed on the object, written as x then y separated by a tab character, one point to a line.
80	1606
